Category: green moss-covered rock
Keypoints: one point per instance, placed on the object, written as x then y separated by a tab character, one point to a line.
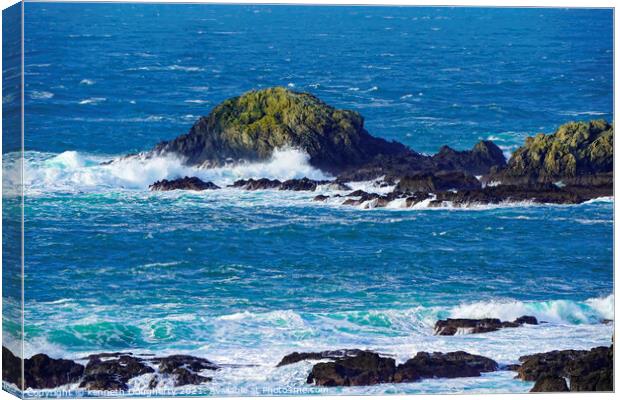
577	153
251	126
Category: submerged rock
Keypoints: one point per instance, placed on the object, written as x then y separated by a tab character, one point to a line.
452	326
578	153
456	364
250	127
186	183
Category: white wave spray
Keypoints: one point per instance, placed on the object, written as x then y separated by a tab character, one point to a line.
73	171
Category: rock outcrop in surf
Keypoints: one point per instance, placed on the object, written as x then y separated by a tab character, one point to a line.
250	127
453	326
369	368
578	153
572	165
585	370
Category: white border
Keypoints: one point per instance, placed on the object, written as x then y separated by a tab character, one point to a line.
475	3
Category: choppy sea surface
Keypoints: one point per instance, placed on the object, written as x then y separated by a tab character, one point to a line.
244	278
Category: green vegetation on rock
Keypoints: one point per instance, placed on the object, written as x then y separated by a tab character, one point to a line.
577	153
251	126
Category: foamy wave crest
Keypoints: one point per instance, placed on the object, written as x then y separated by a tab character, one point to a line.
73	171
555	311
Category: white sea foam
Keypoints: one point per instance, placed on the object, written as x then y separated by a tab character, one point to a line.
72	171
556	311
41	95
87	82
92	100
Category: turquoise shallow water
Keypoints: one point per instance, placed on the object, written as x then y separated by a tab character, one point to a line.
246	277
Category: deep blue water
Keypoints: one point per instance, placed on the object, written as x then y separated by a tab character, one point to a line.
244	277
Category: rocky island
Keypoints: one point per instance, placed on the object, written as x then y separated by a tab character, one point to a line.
572	165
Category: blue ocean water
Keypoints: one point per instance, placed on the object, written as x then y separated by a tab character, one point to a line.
247	277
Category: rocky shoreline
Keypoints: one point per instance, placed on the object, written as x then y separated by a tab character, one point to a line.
570	166
555	371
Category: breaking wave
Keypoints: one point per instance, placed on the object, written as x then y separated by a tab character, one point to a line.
73	171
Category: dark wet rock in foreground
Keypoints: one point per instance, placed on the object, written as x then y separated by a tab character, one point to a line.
364	368
186	183
550	383
40	370
112	373
369	368
456	364
104	371
586	370
452	326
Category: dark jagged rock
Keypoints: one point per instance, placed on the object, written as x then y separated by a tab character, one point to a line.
104	371
593	371
257	184
320	197
303	184
196	364
184	369
43	372
114	373
526	319
551	363
441	181
365	368
186	183
587	370
11	367
40	371
357	193
481	160
535	193
456	364
452	326
538	193
352	202
550	383
478	161
388	166
329	354
251	126
103	382
578	153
